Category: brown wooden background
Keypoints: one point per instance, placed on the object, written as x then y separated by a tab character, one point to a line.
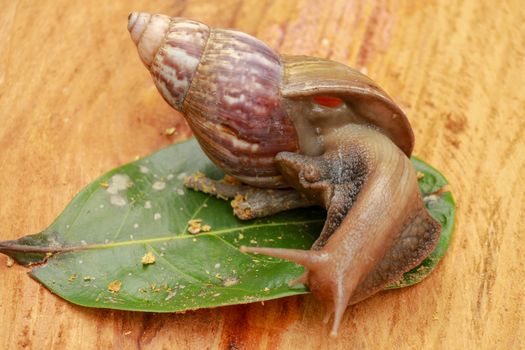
75	101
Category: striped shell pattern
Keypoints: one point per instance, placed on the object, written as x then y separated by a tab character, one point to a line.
226	84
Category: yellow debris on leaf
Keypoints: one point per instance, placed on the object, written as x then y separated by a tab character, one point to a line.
114	287
239	198
104	184
170	131
10	262
72	277
148	258
227	179
194	226
231	281
197	175
240	209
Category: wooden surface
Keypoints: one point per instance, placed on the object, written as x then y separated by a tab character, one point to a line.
75	101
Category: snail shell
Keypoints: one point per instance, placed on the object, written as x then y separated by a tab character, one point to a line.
245	103
226	84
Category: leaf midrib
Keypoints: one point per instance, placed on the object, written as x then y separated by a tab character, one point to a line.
173	237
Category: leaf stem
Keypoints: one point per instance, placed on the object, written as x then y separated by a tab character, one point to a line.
13	247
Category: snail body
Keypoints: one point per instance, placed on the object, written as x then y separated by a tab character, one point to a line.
312	124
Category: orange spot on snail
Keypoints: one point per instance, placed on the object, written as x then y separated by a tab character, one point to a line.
328	101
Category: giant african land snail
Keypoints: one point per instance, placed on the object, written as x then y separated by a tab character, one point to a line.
318	126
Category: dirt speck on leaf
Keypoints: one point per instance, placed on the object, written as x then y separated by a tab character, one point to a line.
170	295
148	258
159	185
170	131
195	226
230	281
117	200
118	182
114	287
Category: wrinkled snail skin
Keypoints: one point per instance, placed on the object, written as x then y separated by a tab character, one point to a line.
361	179
308	123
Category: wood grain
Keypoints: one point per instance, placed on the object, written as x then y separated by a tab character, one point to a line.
75	101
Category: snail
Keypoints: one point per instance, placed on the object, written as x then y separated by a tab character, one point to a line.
298	131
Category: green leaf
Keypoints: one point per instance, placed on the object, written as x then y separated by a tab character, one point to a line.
96	252
432	181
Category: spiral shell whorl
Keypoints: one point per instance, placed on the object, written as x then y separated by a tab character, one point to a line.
147	32
171	49
235	111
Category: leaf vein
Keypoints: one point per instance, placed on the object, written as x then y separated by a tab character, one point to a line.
172	266
119	229
84	203
173	237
